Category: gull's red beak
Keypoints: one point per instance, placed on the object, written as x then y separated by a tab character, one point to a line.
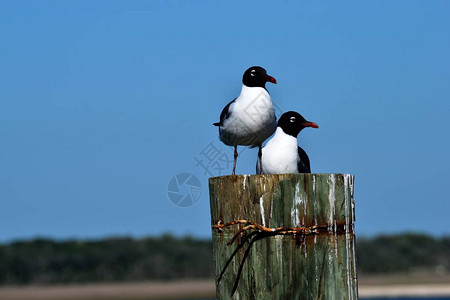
271	79
310	124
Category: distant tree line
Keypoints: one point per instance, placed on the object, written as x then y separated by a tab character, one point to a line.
113	259
403	253
44	261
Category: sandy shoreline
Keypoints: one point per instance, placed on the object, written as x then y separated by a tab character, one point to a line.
406	290
138	290
190	289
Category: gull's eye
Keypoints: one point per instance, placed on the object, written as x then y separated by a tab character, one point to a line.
292	119
252	73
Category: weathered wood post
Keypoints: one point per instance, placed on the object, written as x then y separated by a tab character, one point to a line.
293	236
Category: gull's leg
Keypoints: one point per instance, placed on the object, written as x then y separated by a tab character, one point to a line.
235	159
259	159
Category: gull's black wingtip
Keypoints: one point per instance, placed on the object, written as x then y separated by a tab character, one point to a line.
216	124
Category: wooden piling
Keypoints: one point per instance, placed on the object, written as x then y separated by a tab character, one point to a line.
311	257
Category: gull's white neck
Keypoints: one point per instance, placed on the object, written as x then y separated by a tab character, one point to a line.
252	93
283	140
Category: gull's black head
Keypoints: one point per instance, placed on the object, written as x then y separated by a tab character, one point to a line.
257	77
292	123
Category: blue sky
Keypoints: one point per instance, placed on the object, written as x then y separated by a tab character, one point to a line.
103	102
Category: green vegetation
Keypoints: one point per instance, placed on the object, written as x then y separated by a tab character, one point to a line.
403	253
43	261
113	259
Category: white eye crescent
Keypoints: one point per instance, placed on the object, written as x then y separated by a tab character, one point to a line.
292	119
252	73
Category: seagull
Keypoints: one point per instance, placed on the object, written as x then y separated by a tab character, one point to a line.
249	119
282	154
